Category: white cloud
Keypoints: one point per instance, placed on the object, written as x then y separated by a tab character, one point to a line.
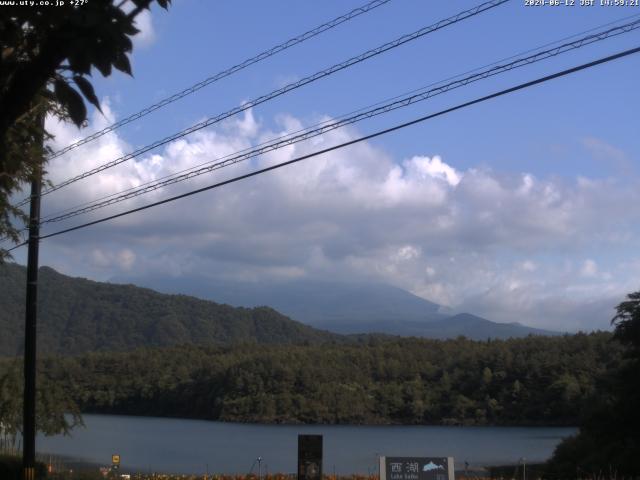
511	247
434	167
122	260
407	252
589	268
613	158
147	35
528	266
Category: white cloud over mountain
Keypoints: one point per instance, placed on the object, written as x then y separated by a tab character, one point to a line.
551	252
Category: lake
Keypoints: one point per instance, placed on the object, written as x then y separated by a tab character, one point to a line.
191	446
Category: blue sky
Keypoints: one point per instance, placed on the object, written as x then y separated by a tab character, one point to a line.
196	39
518	209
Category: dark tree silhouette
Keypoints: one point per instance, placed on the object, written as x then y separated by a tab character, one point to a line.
46	58
627	322
608	442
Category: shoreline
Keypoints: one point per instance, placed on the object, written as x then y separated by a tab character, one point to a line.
66	464
303	424
186	446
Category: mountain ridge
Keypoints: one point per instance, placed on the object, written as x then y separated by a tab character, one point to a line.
78	315
344	307
304	300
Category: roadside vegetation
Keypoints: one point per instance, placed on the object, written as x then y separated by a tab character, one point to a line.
608	443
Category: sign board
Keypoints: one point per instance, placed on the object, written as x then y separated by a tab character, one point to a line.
115	459
309	457
416	468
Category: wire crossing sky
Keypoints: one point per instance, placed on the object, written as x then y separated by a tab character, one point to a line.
225	73
349	120
588	37
351	142
466	14
514	210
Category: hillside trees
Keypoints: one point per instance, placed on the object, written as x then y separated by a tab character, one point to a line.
56	411
609	437
79	315
399	381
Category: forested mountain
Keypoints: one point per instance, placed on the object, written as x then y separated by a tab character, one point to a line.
78	315
535	380
343	307
465	324
206	360
313	302
478	328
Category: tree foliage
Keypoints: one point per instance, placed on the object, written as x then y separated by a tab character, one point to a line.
47	55
286	371
528	381
608	442
56	411
78	315
627	323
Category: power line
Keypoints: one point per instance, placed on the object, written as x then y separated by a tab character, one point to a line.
381	102
225	73
538	49
500	93
281	91
292	86
325	127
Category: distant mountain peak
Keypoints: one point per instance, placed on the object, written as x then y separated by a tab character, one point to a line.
137	314
345	307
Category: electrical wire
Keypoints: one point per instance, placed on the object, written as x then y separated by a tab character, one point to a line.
362	109
329	126
225	73
460	106
281	91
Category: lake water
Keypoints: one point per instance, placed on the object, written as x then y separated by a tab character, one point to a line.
192	446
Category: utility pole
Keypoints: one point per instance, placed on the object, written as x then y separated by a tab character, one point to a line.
31	310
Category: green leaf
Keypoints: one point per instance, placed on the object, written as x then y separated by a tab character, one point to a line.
122	63
125	44
142	3
71	100
129	29
103	58
103	66
79	61
87	90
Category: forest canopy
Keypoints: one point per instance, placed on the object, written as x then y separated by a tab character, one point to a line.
529	381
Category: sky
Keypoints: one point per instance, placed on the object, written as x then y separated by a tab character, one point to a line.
517	209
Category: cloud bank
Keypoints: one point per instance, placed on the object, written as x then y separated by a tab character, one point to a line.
550	252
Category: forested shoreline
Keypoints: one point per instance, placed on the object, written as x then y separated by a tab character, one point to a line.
529	381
